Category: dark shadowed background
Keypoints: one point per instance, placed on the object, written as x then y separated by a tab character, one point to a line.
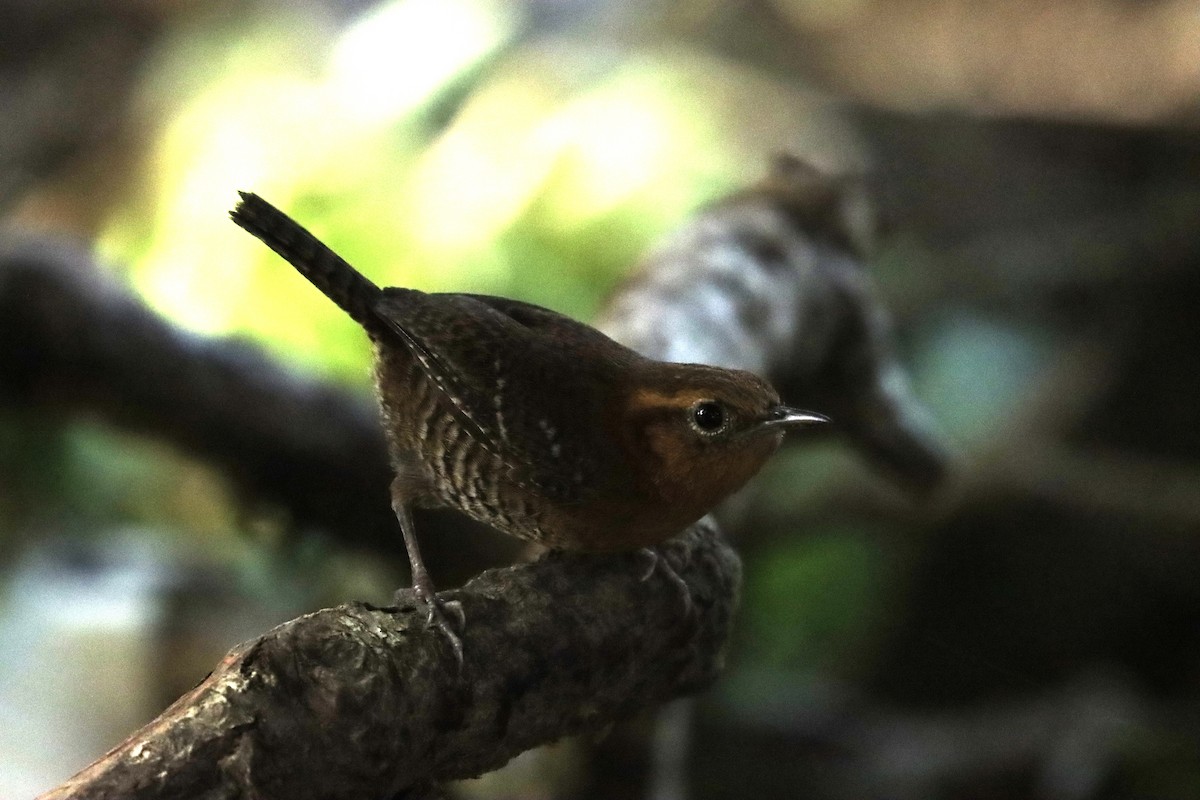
1032	631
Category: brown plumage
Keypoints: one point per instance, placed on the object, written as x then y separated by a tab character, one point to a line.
534	423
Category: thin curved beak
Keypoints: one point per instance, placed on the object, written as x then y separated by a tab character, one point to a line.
788	417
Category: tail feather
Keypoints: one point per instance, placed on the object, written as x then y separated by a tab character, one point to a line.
328	271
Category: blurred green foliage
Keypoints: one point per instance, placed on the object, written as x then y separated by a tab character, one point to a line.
813	602
81	475
433	149
31	474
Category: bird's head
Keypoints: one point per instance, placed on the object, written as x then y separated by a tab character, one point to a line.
695	434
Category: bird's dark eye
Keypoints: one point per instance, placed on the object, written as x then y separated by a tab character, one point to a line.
708	416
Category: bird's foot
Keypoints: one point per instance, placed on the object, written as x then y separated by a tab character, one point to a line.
659	563
438	614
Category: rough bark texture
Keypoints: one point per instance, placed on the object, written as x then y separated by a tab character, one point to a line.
361	702
357	701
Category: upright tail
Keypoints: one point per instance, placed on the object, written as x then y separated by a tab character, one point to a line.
328	271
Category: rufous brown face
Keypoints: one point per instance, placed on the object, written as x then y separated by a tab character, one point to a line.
702	432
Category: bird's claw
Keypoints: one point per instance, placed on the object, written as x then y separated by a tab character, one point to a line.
455	607
438	614
435	617
652	565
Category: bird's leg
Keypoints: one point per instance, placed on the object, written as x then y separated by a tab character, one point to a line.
659	563
422	584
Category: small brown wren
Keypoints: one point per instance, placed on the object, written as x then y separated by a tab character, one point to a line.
534	423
